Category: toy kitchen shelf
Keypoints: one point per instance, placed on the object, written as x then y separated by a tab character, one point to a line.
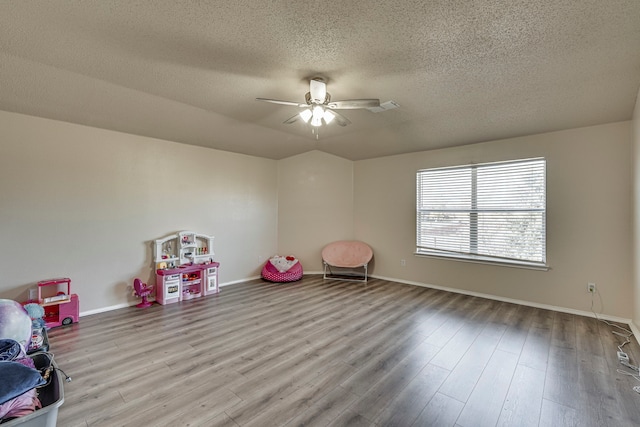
184	267
185	247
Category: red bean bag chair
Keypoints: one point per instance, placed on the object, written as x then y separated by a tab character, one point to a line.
282	269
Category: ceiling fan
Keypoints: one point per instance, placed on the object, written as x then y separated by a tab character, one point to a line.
318	107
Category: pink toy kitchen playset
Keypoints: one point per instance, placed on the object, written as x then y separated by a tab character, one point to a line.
184	267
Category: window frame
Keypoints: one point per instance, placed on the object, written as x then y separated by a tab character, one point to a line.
473	211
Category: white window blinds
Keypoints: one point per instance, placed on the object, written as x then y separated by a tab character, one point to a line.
492	212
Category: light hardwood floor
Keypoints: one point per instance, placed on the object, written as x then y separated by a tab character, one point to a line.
341	353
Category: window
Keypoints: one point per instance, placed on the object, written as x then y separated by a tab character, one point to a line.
491	212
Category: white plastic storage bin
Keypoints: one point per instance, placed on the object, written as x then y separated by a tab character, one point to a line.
51	396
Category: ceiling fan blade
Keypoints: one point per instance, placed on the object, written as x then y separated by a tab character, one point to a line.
318	91
291	120
277	101
340	119
354	104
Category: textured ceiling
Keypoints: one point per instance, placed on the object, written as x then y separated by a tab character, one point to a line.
189	71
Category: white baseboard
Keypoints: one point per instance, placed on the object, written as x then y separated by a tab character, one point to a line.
514	301
634	328
131	304
235	282
105	309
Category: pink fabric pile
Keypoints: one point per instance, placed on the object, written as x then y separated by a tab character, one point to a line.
13	355
20	406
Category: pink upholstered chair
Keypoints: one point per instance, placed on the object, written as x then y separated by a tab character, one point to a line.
347	254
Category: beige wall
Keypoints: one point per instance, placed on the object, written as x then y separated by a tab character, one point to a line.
636	213
588	219
315	205
86	203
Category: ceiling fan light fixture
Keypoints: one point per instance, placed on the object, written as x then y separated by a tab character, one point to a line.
306	115
317	115
328	116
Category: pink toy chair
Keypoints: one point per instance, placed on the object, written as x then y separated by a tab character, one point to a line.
142	290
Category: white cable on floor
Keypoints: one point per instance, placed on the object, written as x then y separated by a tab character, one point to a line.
627	340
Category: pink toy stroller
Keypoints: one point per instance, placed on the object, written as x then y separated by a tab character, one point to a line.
142	290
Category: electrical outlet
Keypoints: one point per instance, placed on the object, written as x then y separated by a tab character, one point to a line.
33	294
591	288
403	262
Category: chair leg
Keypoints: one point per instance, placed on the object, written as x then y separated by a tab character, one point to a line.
343	277
144	303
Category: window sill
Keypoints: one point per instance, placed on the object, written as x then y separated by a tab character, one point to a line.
485	260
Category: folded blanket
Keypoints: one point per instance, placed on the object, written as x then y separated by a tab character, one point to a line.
17	379
20	406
